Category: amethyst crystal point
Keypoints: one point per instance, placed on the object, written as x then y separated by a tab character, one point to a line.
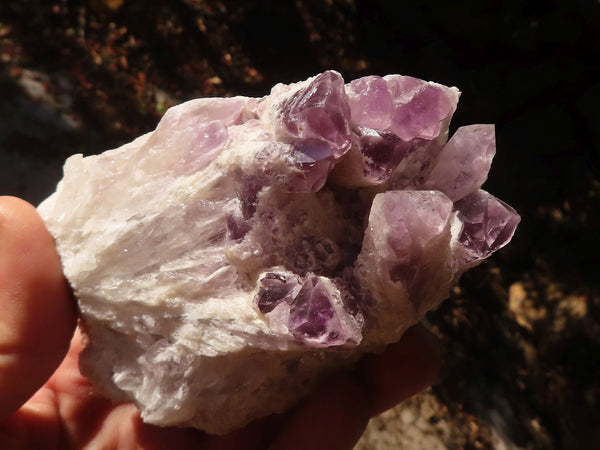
311	309
195	133
464	162
421	109
265	243
405	253
317	110
276	288
370	102
314	161
488	224
399	126
373	158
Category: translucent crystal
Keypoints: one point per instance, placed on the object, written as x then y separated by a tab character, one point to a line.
421	109
310	309
370	102
488	225
465	161
318	111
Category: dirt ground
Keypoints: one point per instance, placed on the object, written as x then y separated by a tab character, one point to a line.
521	333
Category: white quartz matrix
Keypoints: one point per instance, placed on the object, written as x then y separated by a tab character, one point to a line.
229	260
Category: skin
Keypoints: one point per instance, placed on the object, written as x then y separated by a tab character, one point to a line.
45	402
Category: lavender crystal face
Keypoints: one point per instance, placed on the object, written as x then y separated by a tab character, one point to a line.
228	261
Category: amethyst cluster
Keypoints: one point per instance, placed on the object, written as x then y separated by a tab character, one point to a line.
227	261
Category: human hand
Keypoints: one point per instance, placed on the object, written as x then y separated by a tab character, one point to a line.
45	402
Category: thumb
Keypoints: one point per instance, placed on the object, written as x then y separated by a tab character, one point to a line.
37	315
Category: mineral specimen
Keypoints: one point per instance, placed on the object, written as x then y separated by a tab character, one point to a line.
229	260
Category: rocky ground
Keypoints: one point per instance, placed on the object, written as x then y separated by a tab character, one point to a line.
521	332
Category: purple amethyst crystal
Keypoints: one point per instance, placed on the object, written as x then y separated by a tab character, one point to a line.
319	111
488	225
421	109
275	289
370	102
309	308
463	165
265	242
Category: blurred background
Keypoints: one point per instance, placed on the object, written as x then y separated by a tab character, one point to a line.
521	333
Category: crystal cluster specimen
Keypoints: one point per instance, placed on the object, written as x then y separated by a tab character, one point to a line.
229	260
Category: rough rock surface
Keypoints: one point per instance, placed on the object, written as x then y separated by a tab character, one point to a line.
228	260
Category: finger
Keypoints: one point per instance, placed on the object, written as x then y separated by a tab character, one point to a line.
255	436
68	412
402	370
334	417
35	425
37	315
40	424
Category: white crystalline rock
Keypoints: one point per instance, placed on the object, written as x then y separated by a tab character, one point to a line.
229	260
